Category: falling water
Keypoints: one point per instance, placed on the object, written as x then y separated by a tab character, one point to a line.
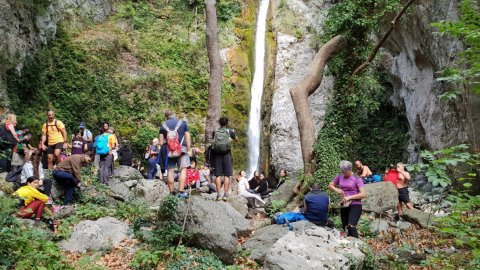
254	123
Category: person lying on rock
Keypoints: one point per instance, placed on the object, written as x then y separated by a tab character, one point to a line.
243	189
32	200
351	190
316	205
67	173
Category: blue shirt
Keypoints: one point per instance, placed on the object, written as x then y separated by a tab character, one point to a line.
317	206
171	123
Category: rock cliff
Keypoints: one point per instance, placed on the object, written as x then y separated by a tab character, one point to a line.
294	40
413	56
25	26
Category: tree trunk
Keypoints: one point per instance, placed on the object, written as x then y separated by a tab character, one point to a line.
215	78
303	90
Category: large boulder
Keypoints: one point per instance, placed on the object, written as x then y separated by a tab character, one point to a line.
215	225
382	196
239	203
315	248
151	192
283	194
417	217
126	173
103	233
262	240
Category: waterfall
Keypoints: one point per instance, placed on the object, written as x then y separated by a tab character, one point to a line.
254	123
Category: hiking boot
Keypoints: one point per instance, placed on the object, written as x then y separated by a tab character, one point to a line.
225	197
219	198
173	193
183	195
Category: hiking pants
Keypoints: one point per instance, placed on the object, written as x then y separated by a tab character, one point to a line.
248	195
105	167
153	168
68	181
35	207
350	216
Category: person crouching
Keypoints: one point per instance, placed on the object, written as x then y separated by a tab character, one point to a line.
67	173
32	200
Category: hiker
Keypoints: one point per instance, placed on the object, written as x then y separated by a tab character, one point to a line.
113	146
402	186
205	178
9	139
391	175
86	134
263	187
351	190
175	133
67	173
54	138
222	157
23	145
96	160
33	167
151	155
193	176
125	155
103	148
282	178
316	208
243	188
253	183
162	160
79	145
363	171
32	201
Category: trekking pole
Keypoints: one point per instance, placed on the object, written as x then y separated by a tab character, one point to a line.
185	219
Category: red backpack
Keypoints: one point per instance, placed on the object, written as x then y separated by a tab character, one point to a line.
391	176
173	145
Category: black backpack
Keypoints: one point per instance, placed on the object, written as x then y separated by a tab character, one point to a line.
6	138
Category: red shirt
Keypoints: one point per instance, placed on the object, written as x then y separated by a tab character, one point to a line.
193	175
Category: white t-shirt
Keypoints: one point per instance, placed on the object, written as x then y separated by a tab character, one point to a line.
243	185
27	171
87	135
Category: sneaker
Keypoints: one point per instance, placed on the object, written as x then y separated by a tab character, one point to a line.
49	201
173	193
219	198
56	208
183	195
225	197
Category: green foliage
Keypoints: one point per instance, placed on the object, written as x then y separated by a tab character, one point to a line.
146	259
277	206
228	9
93	211
466	68
437	163
24	247
365	228
131	210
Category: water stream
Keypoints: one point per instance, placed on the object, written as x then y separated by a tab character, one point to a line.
254	121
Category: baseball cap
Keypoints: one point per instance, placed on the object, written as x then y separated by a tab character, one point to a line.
82	125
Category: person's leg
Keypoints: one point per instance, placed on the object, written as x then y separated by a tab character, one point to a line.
47	187
170	179
255	196
50	161
226	186
211	187
344	213
153	166
227	172
184	163
399	208
353	217
101	166
108	168
56	154
39	209
218	184
68	182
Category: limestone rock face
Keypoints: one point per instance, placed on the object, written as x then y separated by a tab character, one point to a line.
103	233
293	59
25	30
315	248
216	226
263	239
412	59
382	196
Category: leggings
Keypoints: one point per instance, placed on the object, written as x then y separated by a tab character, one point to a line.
106	162
35	207
350	217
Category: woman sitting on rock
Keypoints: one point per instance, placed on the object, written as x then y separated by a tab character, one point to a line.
243	188
32	200
33	167
351	191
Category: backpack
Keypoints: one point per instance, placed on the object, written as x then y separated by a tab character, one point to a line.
102	147
391	176
221	141
173	145
6	137
285	218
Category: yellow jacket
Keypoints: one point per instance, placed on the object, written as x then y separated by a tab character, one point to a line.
29	194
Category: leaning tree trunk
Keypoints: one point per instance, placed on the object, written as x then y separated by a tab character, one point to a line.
215	78
300	93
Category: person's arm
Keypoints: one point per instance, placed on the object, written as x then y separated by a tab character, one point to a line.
38	195
12	130
361	195
233	135
85	146
406	175
189	143
65	138
76	166
89	138
332	187
160	139
44	138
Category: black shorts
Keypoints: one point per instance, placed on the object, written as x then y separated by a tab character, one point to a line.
51	148
223	164
403	195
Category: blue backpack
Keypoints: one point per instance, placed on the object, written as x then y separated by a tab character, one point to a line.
285	218
101	145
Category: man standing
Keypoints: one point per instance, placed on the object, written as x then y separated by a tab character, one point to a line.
55	131
175	133
103	147
87	135
402	186
67	173
316	207
222	158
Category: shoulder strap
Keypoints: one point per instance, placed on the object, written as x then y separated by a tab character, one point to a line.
179	123
166	127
